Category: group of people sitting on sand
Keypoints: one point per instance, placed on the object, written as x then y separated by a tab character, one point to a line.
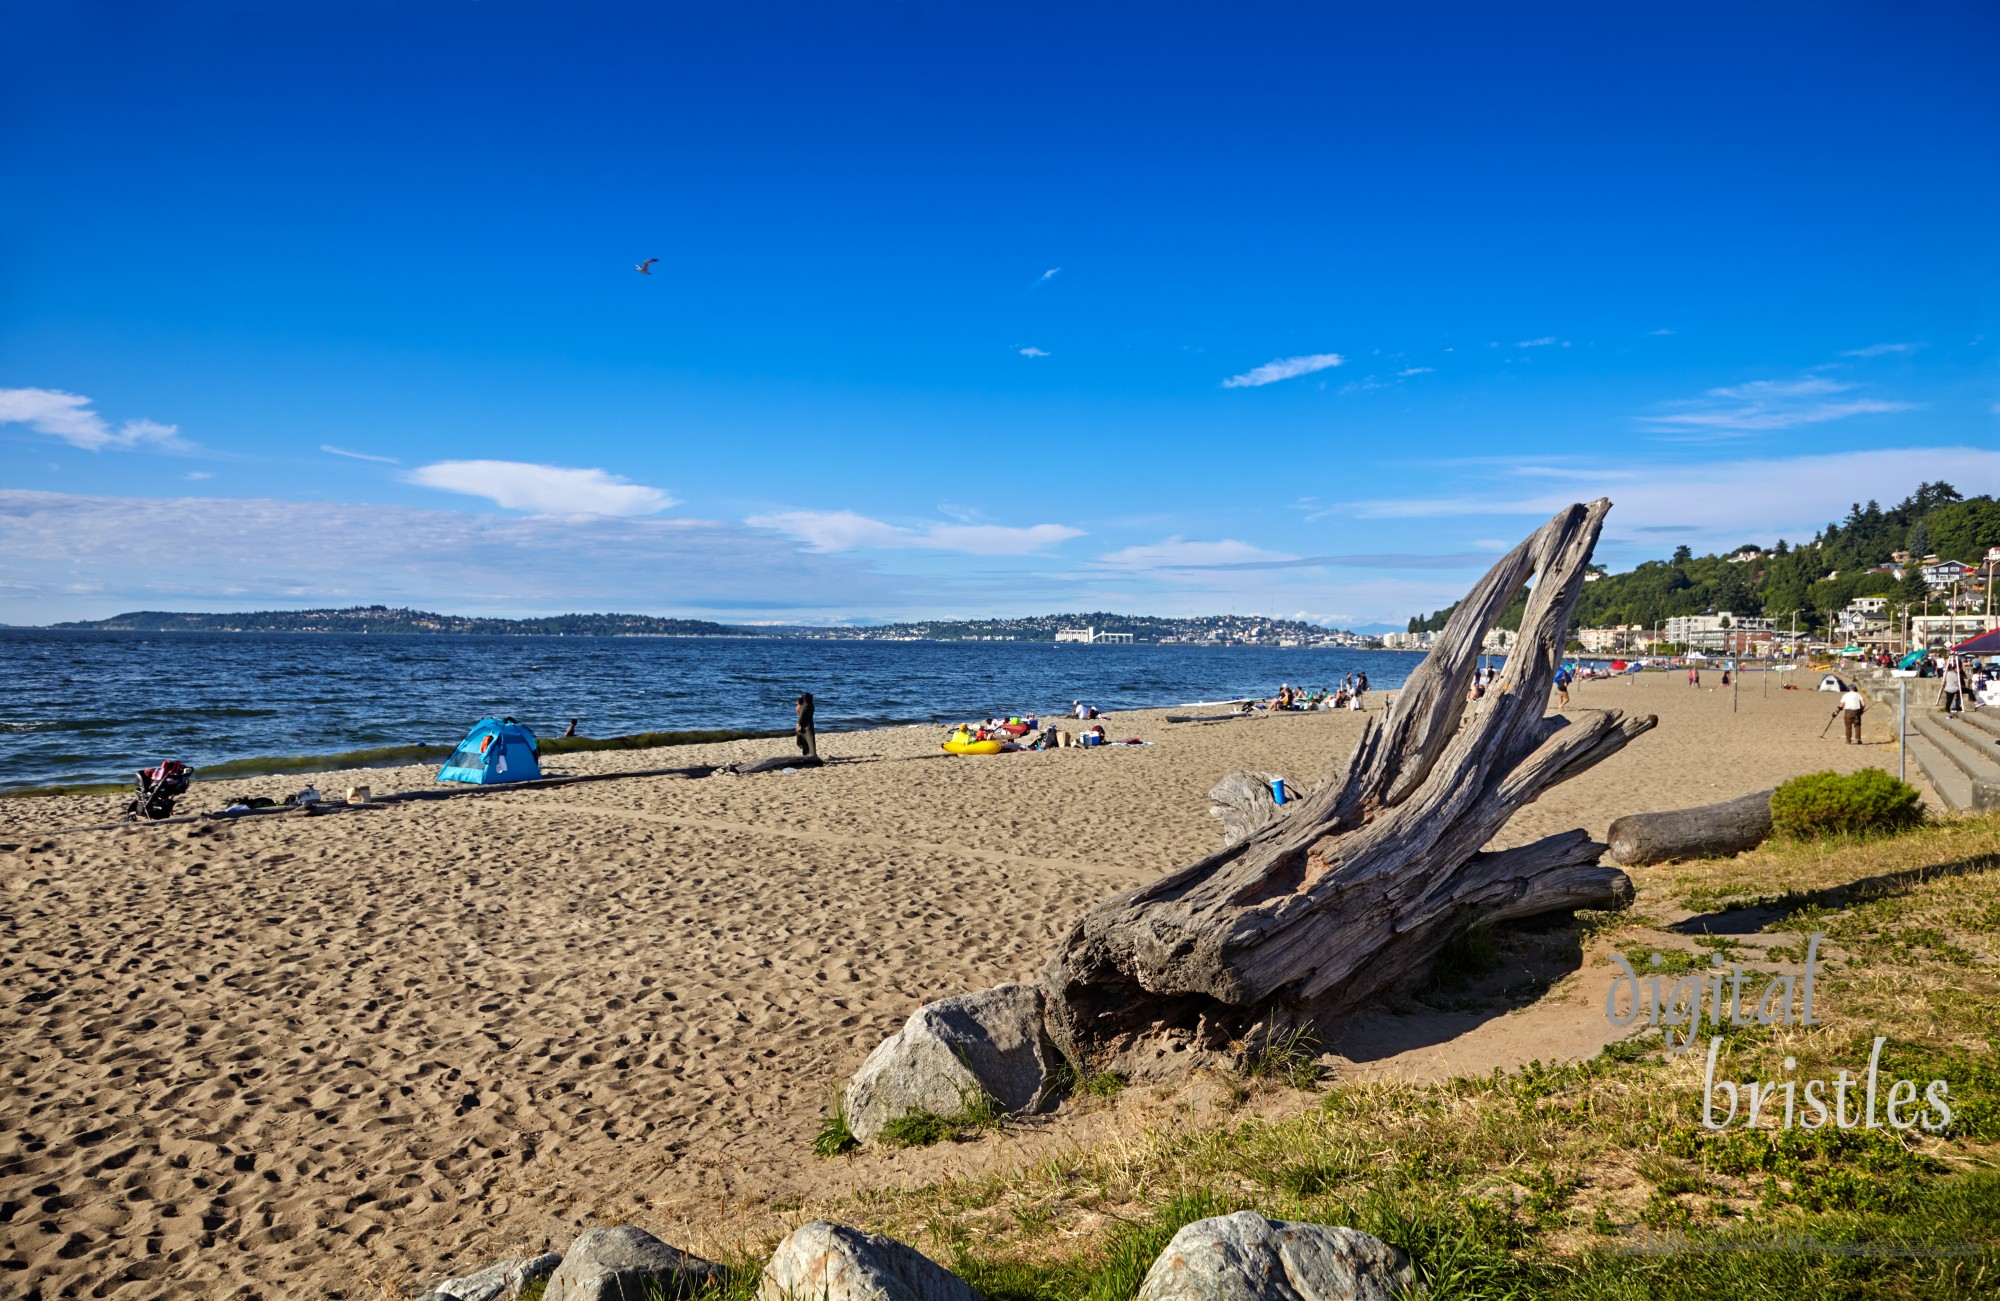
1014	734
1347	694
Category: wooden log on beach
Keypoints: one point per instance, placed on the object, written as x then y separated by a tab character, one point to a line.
778	764
1358	887
1709	831
1245	803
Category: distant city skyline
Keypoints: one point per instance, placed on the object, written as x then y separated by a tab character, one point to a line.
961	315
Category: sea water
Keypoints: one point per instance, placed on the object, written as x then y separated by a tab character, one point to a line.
94	706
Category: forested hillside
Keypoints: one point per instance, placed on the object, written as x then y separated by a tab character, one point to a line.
1790	578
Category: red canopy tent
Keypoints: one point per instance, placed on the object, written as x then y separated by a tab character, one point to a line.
1986	643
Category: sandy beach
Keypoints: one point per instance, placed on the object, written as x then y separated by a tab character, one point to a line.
347	1054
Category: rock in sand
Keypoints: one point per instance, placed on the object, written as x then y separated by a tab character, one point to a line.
951	1051
501	1282
626	1264
1245	1257
831	1262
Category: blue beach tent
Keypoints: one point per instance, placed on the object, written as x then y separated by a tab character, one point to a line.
495	750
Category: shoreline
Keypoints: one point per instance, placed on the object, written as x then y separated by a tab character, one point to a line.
90	710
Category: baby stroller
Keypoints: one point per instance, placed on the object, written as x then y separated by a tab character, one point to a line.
158	788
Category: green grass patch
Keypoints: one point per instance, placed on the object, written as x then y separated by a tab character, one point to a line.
1671	962
923	1128
834	1137
1290	1058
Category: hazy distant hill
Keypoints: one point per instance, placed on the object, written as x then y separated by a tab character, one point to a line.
380	618
1042	627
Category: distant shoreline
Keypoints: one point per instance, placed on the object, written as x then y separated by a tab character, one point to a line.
382	620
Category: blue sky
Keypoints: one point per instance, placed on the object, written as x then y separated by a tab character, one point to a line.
968	311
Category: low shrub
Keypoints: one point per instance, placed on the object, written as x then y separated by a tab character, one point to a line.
1836	804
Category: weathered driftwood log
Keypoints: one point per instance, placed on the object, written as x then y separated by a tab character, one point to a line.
1358	887
1709	831
1246	804
778	764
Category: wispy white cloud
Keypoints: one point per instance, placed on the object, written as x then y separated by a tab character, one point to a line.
846	530
1882	349
1720	502
1181	553
1049	275
331	450
1765	405
543	489
1658	333
1542	342
1033	352
1283	368
197	475
1415	370
1579	474
68	416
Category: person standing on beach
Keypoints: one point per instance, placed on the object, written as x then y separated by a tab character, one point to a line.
1852	706
803	733
1562	688
1954	685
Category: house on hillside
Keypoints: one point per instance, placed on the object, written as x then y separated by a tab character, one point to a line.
1944	573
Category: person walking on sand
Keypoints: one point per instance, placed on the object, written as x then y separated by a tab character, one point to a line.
1562	688
808	740
1694	676
1852	706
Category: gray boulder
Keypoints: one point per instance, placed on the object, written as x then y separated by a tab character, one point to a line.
951	1051
626	1264
501	1282
831	1262
1245	1257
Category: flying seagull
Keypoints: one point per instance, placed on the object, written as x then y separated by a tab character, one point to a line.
646	268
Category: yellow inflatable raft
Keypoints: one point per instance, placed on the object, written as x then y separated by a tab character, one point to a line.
973	747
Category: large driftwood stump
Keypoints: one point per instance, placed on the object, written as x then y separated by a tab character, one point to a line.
1709	831
1360	885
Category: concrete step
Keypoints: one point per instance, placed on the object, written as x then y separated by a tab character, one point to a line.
1970	758
1938	730
1952	786
1986	720
1967	729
